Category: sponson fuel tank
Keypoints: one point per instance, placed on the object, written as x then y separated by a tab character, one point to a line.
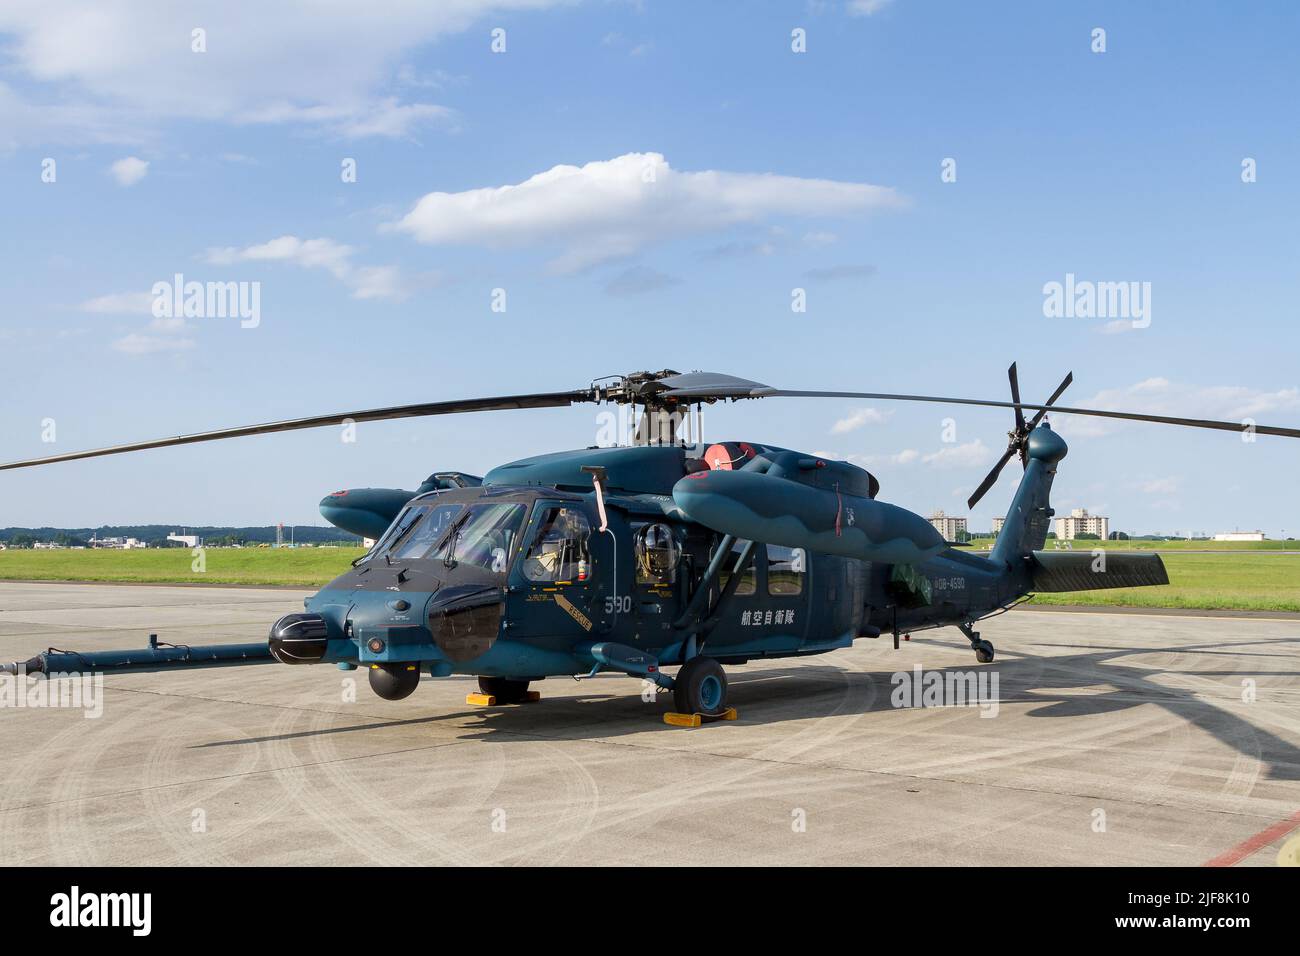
369	511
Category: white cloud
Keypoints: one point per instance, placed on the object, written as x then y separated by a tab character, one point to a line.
139	344
905	457
854	421
965	455
366	282
120	303
1117	327
141	303
612	208
1159	486
169	324
383	117
820	238
865	8
738	249
109	67
308	253
1160	396
129	170
377	282
833	273
637	280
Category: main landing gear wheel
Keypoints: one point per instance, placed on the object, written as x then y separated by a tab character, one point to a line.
505	690
982	648
701	688
394	681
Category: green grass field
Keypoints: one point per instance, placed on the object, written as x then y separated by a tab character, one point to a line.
983	544
1235	579
309	567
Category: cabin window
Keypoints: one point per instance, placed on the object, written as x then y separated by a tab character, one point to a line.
748	580
657	554
560	549
785	570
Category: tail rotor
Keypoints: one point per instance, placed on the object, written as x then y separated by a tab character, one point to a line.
1017	438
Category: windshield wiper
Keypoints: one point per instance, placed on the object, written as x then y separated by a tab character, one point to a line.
453	533
401	536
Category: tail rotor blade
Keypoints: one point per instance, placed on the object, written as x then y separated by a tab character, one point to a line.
1060	390
1015	397
992	477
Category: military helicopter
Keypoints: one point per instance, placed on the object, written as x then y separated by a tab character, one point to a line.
664	552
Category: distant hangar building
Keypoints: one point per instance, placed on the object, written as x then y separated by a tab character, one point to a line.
1240	536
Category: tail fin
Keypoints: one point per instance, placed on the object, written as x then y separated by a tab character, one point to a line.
1027	521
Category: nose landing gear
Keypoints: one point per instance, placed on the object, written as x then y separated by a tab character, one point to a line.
507	691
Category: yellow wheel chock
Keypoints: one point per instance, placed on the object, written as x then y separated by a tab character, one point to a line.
695	720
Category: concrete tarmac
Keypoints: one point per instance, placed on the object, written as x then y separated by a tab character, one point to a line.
1116	739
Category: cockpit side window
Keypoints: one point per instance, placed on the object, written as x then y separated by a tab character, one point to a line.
559	551
399	528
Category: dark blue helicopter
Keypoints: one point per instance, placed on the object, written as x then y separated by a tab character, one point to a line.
665	553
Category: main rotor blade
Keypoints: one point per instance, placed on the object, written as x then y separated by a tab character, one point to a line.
983	403
1015	397
991	478
535	400
1060	389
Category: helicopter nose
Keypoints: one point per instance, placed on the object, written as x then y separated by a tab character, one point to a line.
299	638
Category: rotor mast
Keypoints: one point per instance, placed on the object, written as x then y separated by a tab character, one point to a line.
662	418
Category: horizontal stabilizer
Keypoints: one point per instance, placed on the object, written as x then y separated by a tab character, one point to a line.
1085	571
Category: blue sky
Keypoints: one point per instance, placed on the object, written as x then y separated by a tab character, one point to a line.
818	171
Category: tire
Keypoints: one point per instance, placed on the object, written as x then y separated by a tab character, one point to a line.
701	687
505	690
984	652
394	681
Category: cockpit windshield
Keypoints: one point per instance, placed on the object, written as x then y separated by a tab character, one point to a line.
427	532
485	536
485	533
415	530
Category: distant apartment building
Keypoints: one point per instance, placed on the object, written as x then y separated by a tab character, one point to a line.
1240	536
997	526
948	526
1080	522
